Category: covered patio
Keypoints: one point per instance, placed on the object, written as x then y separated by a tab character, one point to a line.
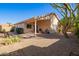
39	24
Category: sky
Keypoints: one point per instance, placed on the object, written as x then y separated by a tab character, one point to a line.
17	12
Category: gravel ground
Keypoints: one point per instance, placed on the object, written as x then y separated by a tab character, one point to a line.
42	45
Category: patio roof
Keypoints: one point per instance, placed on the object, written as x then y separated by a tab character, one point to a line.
44	17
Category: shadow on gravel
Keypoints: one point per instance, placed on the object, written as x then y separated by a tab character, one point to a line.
63	47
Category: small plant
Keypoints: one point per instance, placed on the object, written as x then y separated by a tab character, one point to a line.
16	38
11	39
7	41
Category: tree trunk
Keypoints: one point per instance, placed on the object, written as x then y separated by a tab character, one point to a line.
65	32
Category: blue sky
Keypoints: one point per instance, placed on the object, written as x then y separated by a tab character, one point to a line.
13	13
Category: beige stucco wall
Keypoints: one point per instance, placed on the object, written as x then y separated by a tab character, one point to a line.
29	29
6	27
54	24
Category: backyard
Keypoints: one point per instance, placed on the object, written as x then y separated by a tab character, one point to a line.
51	34
41	45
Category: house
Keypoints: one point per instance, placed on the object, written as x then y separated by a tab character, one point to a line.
40	24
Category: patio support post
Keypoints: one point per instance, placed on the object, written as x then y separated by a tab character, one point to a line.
35	27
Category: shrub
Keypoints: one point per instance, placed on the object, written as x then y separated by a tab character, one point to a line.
7	41
16	38
19	30
77	33
12	39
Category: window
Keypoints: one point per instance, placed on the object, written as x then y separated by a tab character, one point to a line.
29	26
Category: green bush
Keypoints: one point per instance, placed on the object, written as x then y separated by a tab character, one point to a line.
12	39
16	38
